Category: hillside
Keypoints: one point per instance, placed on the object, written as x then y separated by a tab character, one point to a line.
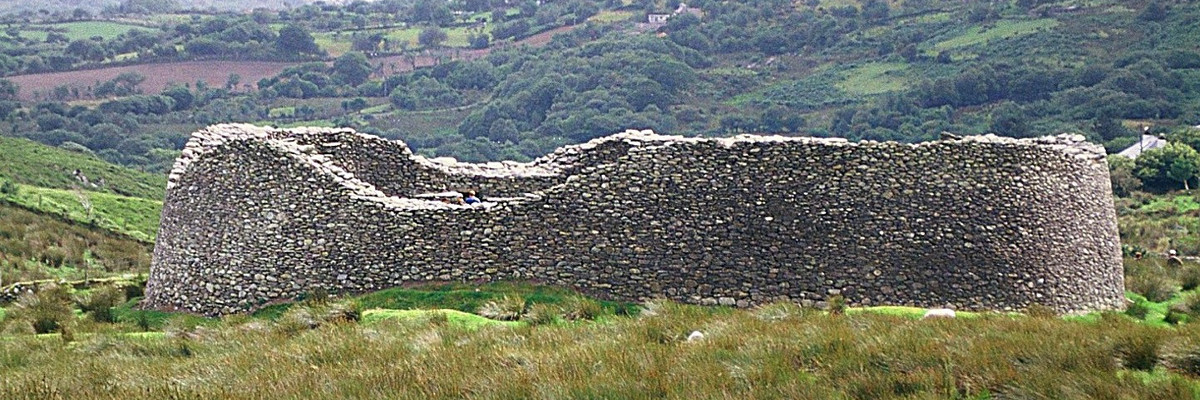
37	246
30	163
903	71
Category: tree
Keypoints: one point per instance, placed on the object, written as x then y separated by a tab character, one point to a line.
1155	11
9	90
432	11
472	75
1175	162
431	37
352	68
295	40
367	43
1120	171
777	119
1183	169
480	41
503	130
87	49
181	95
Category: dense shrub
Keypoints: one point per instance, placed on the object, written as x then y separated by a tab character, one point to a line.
837	305
1137	310
99	302
541	314
1156	288
508	308
48	310
582	308
1189	277
1139	351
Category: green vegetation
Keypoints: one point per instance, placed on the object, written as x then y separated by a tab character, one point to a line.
1004	29
132	216
89	29
456	318
776	350
874	79
27	162
37	246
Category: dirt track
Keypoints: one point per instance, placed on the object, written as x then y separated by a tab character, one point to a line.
215	73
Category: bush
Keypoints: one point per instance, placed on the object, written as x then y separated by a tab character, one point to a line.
1137	311
582	308
1156	288
296	320
1190	305
46	311
1138	351
1175	317
1185	360
346	311
100	302
837	305
9	188
1189	277
508	308
540	314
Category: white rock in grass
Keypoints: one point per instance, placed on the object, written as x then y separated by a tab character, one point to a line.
938	313
695	336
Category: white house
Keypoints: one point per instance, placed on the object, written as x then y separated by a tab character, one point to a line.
1148	142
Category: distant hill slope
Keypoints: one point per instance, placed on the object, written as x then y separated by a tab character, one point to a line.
30	163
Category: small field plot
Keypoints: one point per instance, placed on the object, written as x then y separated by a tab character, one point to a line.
610	16
87	29
1000	30
335	45
874	78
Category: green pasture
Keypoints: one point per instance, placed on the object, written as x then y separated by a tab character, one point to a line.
874	78
87	29
997	31
132	216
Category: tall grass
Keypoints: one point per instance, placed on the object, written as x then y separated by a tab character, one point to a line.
776	352
35	246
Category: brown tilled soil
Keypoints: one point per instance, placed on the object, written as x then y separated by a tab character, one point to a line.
216	73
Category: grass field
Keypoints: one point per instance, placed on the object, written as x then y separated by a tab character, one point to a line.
158	76
874	78
87	29
334	46
610	16
775	351
1001	30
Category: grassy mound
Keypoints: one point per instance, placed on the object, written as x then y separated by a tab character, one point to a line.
452	317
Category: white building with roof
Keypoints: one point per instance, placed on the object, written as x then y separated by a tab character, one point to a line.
1148	142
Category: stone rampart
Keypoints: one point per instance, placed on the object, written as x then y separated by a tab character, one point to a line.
254	215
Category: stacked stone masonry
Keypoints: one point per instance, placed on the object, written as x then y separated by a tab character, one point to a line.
255	215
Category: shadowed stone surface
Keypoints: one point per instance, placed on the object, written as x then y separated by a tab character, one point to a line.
255	214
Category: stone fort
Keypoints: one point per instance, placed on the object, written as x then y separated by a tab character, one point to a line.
255	215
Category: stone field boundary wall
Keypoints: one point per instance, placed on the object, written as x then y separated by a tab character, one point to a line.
255	215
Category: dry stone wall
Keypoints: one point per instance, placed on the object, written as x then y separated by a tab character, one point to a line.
254	215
